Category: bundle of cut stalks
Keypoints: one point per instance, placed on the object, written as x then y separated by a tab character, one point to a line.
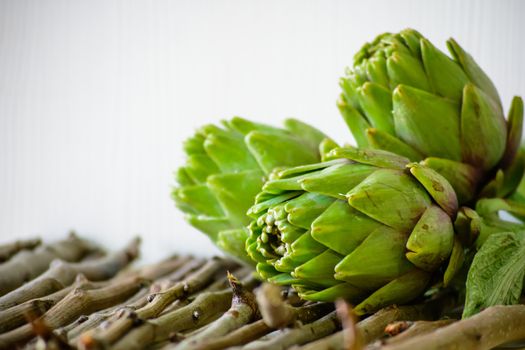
70	294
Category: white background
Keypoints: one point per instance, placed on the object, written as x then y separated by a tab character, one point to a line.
97	96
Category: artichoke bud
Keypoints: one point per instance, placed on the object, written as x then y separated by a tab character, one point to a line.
440	106
360	226
226	168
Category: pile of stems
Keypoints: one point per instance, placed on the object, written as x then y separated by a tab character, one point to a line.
72	295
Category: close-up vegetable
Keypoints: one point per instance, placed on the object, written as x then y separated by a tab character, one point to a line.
366	226
406	96
226	167
375	199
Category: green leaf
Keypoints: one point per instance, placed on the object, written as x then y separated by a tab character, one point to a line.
515	130
244	126
303	249
381	140
235	193
473	71
376	102
405	69
430	243
379	259
308	133
326	146
376	71
349	86
455	262
337	180
481	119
182	177
446	76
399	291
232	242
513	175
199	198
229	152
437	186
496	274
375	157
210	225
464	178
319	270
194	144
424	121
355	121
303	210
375	195
273	150
341	290
342	228
412	38
199	167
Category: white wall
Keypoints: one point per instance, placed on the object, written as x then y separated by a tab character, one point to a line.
97	96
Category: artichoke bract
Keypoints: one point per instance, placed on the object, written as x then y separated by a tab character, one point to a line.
227	166
406	96
368	226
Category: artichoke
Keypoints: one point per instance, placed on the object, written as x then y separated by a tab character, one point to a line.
365	225
406	96
227	166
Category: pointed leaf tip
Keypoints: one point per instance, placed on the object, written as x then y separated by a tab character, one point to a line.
437	186
483	129
423	120
515	130
379	158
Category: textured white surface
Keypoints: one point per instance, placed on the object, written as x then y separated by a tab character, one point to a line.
97	96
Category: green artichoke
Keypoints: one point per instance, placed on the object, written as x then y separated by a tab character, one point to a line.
405	96
365	225
227	166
